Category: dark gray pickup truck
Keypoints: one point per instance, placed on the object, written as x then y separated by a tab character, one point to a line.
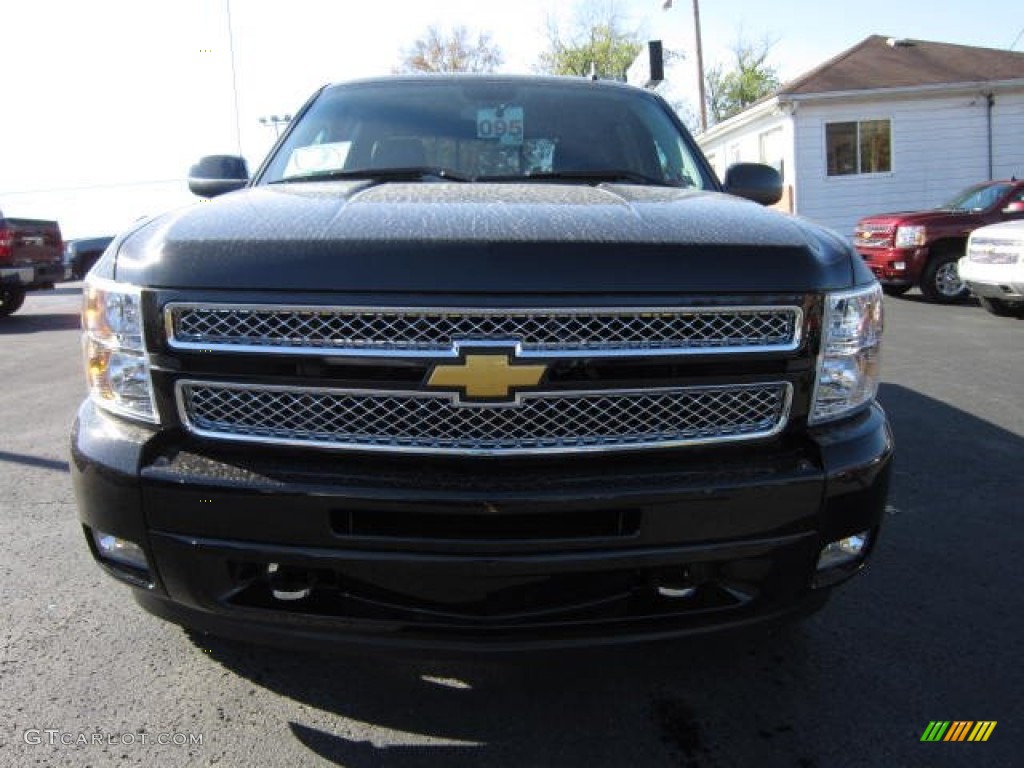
480	363
80	254
30	259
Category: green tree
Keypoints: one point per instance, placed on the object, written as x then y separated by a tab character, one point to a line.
452	51
597	44
730	91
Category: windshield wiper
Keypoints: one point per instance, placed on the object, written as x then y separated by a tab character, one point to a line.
599	175
416	173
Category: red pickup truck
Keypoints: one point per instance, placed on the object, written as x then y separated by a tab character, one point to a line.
922	248
31	258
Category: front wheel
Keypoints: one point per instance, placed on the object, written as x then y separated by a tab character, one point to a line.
941	281
1001	308
11	300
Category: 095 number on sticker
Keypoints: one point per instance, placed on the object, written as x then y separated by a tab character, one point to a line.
503	124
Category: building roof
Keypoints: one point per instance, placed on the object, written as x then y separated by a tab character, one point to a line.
879	62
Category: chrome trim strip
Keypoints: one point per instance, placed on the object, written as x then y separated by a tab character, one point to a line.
778	427
451	352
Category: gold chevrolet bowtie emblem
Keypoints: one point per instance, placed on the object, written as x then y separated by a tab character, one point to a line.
486	376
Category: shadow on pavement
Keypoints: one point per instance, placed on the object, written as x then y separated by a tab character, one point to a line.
571	708
922	634
918	298
29	323
34	461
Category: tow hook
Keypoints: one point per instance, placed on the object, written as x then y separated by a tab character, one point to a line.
289	583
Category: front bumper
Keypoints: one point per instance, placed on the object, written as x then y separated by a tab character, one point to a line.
884	264
32	277
994	281
476	554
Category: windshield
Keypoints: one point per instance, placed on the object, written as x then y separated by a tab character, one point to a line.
488	129
977	198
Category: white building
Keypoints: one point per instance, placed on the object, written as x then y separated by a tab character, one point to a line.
887	125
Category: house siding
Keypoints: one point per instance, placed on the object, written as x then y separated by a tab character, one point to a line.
939	147
1008	135
744	146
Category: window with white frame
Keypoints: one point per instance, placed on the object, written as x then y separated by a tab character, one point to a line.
856	147
770	148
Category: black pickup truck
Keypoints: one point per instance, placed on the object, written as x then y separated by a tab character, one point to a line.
30	259
80	254
480	363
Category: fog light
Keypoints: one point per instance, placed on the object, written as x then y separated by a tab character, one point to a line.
852	549
841	559
899	266
121	551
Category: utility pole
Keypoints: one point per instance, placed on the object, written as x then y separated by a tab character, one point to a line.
666	4
234	78
700	68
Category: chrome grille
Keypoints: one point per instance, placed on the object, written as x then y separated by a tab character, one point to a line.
985	250
427	331
874	235
433	423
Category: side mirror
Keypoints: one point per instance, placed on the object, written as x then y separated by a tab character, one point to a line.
760	183
1017	206
216	174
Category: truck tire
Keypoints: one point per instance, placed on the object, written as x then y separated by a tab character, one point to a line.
11	300
1001	308
940	282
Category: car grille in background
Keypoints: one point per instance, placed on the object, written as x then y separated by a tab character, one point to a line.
433	423
363	330
993	251
874	235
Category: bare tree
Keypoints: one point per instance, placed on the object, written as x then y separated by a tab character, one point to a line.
451	51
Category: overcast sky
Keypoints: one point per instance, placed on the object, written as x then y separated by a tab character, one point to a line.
106	103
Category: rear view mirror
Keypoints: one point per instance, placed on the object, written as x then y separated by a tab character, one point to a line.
216	174
760	183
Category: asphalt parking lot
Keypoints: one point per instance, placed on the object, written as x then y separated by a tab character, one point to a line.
931	631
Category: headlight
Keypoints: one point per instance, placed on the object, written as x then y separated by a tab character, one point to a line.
116	363
848	371
910	237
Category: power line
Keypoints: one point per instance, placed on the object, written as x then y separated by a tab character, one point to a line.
1017	39
86	187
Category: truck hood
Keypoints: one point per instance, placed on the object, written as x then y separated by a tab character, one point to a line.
933	218
483	238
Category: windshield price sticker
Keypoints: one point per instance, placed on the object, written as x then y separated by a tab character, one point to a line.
502	124
317	158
